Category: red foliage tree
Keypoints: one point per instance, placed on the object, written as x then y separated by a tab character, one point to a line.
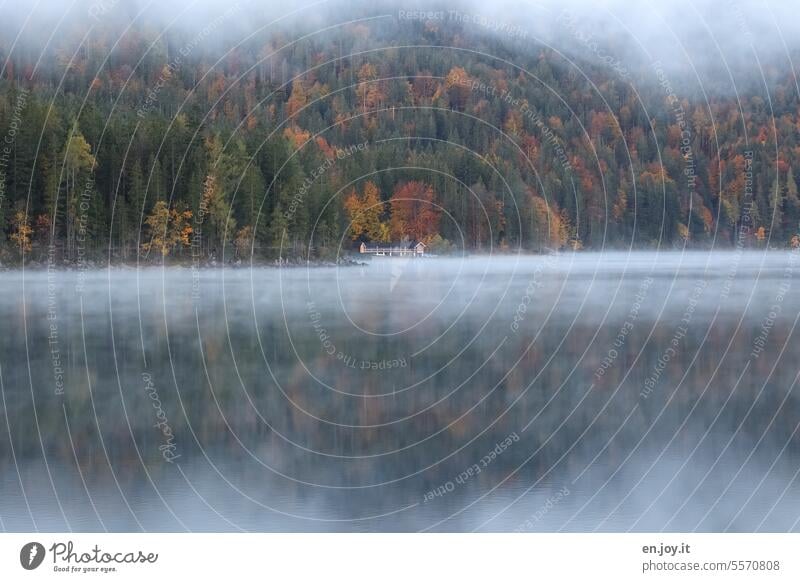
414	212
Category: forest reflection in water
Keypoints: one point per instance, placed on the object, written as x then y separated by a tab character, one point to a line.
607	391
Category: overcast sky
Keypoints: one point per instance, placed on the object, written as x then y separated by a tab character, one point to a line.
683	34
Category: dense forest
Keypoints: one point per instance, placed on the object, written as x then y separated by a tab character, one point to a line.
131	143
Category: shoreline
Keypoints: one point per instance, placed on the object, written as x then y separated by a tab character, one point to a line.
358	261
44	266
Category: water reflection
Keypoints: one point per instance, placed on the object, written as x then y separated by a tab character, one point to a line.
613	392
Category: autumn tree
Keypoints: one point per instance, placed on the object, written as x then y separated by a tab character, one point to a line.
369	91
414	212
547	232
21	232
77	179
243	242
158	223
298	99
167	229
296	135
180	227
364	213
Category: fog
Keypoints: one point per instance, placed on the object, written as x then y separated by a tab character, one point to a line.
656	388
733	43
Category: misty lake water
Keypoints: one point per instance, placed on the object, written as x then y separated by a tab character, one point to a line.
613	392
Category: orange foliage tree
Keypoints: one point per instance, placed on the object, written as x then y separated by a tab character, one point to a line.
296	135
298	99
414	212
365	213
21	232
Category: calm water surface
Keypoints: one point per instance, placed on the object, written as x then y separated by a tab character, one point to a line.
647	391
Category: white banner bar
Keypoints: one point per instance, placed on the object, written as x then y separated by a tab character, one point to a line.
400	557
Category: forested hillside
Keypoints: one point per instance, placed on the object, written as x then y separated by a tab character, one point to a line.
134	143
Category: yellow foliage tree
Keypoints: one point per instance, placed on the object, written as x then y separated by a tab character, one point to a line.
298	99
365	213
157	223
168	228
21	232
457	84
369	91
180	227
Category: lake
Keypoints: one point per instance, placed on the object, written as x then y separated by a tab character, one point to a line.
613	391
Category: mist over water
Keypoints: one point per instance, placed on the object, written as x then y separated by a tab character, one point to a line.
607	391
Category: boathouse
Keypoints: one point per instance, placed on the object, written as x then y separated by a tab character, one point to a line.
394	249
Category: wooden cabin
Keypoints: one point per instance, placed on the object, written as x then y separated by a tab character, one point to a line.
394	249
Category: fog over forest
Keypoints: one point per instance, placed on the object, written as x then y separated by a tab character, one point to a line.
257	130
